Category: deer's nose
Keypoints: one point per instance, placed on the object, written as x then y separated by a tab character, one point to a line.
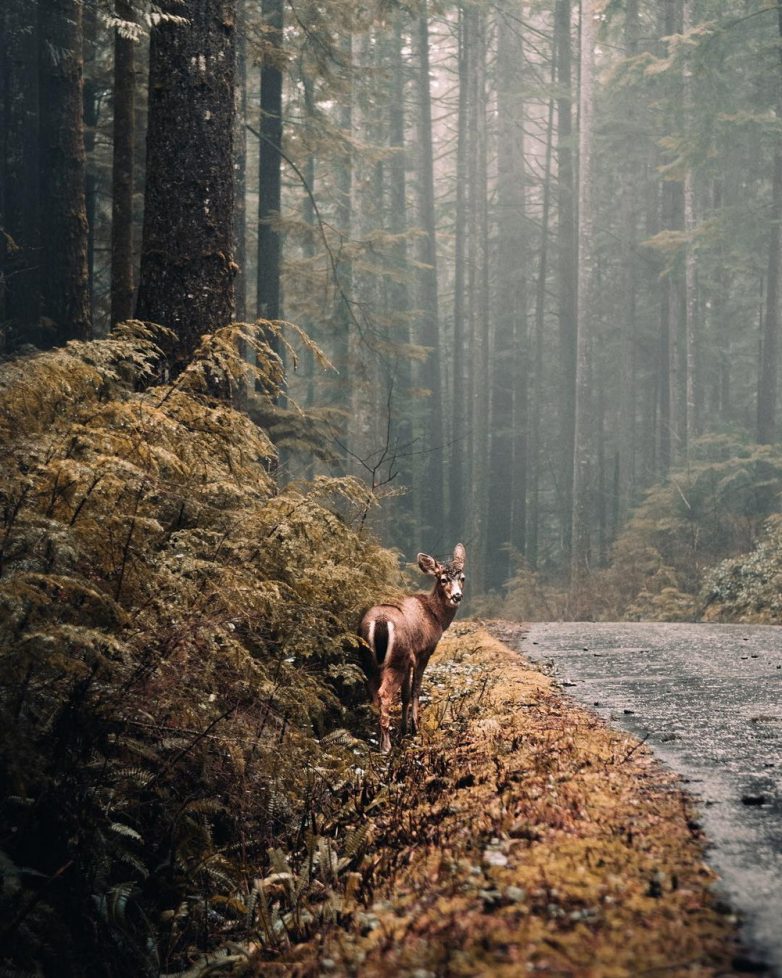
456	597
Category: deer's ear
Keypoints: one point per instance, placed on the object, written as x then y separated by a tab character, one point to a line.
427	564
459	556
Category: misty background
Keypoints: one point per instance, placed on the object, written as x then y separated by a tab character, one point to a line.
538	244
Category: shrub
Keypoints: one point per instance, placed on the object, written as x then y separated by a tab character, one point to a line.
177	643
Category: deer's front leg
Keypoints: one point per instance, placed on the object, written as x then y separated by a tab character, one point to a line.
389	687
418	676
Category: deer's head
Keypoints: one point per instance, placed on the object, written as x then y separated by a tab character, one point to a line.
450	576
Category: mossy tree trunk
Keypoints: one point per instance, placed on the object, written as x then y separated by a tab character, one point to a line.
65	279
187	270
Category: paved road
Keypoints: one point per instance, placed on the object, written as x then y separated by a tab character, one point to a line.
709	698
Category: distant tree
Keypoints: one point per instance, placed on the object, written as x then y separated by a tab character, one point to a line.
583	461
187	270
769	366
64	231
431	434
269	242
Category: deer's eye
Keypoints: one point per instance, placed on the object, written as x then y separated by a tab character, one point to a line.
462	579
443	580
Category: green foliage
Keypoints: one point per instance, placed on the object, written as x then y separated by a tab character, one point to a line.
711	509
748	588
177	634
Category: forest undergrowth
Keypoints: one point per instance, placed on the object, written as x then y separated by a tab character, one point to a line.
177	637
188	781
520	835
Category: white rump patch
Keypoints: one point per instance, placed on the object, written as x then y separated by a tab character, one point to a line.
390	627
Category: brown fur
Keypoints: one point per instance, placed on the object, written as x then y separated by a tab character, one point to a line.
412	628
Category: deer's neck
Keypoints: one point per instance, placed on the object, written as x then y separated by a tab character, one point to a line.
442	613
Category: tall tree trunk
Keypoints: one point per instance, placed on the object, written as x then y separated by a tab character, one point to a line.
583	435
767	381
343	213
65	284
430	483
240	165
187	271
629	211
567	266
480	315
692	413
398	299
506	522
20	244
91	95
458	469
122	170
535	452
269	186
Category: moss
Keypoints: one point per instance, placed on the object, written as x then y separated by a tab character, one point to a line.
529	838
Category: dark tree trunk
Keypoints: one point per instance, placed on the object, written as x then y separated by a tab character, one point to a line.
507	515
187	272
20	239
240	165
269	245
767	383
122	172
65	286
91	97
566	264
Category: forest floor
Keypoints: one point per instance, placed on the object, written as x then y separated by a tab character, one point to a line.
528	837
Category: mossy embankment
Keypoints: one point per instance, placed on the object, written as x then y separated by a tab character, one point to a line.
526	837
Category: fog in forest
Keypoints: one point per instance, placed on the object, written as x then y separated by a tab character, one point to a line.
536	245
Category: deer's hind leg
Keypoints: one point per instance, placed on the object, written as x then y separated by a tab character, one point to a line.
393	680
407	698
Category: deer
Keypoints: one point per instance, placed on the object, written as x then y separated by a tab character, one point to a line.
398	640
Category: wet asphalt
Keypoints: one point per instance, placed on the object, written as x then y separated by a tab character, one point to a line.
708	698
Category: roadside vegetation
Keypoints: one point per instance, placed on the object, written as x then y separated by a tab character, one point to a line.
189	784
703	543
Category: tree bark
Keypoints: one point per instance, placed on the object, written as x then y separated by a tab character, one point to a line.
458	469
91	115
122	171
583	429
507	515
65	284
187	271
269	185
769	369
21	217
240	165
629	213
692	413
566	264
